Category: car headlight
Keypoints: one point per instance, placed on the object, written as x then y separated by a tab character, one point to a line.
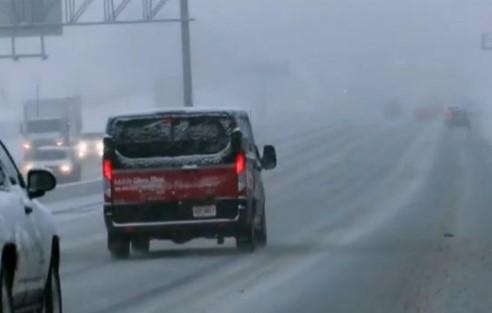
66	168
59	143
100	148
26	145
28	167
82	146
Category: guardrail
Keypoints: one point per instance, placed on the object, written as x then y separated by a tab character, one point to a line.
74	190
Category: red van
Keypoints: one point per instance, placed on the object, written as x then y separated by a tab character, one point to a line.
184	174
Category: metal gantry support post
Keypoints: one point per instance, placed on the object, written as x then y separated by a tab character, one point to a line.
186	54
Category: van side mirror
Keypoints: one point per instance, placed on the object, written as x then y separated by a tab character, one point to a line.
236	140
269	160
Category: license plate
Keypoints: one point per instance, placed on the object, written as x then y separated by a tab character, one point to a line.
204	211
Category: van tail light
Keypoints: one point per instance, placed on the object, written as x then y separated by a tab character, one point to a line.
108	170
241	164
108	180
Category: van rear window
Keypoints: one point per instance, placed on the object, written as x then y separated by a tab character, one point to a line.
172	136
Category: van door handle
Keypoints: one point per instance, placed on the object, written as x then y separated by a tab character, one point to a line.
28	209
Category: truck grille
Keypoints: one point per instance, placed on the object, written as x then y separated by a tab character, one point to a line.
43	142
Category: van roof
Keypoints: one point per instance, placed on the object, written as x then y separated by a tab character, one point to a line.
194	110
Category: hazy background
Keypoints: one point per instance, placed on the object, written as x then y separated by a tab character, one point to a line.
350	53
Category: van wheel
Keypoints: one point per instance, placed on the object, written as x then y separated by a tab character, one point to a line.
261	233
52	292
119	247
141	245
246	239
6	296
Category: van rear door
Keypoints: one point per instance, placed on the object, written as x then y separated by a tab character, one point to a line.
172	158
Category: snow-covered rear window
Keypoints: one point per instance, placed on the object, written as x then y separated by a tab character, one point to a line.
172	136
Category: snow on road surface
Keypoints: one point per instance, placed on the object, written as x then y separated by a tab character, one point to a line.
357	216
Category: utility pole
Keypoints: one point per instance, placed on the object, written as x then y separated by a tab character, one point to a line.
186	52
37	99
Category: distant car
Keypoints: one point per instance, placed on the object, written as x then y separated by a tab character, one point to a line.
457	117
90	146
60	160
29	273
180	175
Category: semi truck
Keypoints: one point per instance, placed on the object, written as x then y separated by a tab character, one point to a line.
51	122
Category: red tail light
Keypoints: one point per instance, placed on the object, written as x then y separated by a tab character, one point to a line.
240	164
108	170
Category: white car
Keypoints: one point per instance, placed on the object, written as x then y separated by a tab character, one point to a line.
60	160
90	146
29	273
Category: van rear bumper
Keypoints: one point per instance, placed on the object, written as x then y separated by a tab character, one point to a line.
166	220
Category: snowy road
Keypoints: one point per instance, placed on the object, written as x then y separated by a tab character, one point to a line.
373	218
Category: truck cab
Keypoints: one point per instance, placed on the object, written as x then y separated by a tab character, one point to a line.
51	122
44	132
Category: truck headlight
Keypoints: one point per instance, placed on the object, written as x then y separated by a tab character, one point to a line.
66	168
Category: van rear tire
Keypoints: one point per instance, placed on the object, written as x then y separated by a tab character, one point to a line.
246	239
141	245
118	246
261	233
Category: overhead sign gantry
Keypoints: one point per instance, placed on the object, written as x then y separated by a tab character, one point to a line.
43	18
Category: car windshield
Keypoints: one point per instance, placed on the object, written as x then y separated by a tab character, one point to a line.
172	136
246	156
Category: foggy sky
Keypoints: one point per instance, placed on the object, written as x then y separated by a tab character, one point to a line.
337	52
